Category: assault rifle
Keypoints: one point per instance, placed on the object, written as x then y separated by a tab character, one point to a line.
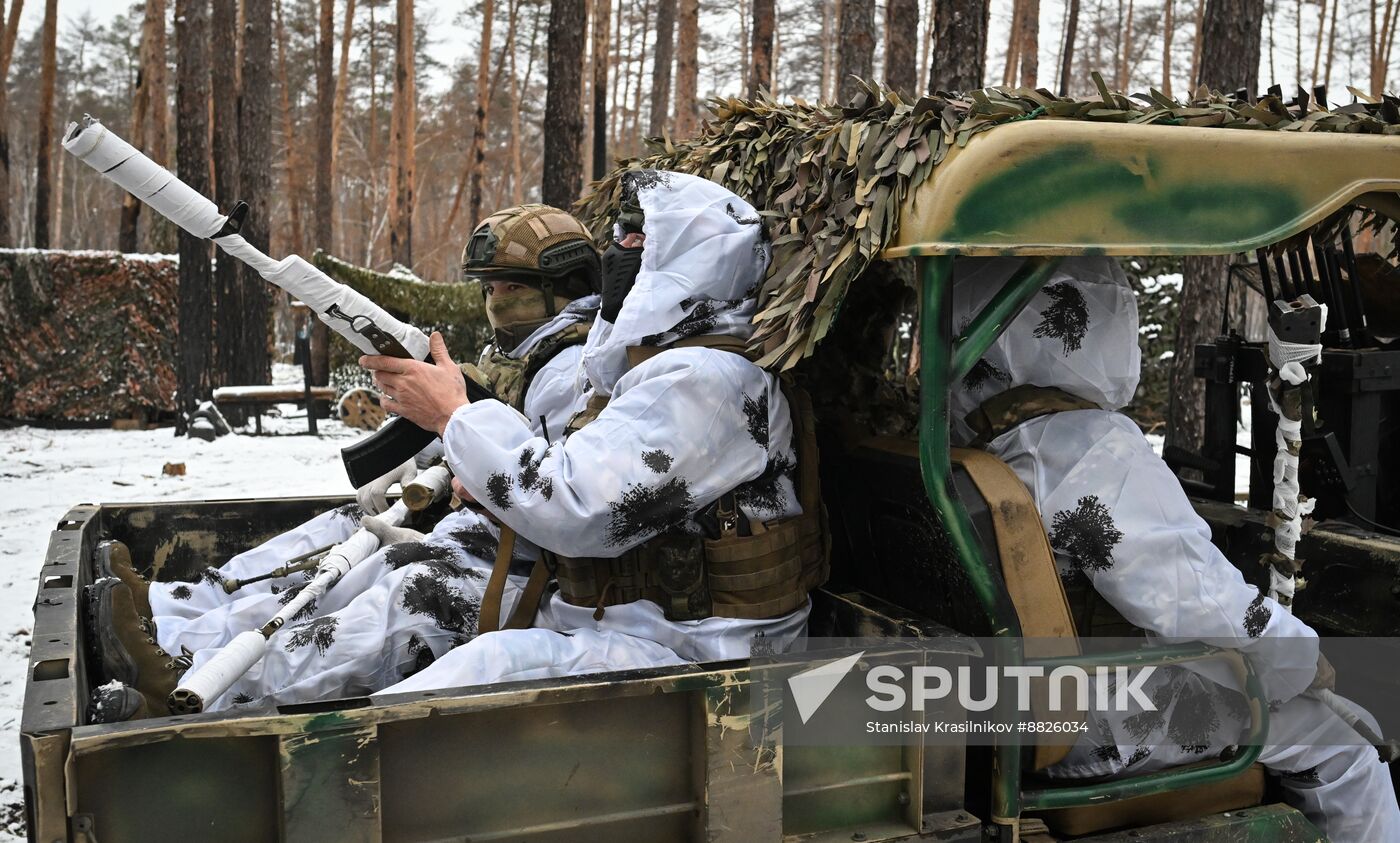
367	326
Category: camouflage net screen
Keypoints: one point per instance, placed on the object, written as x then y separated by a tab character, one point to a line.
86	336
830	179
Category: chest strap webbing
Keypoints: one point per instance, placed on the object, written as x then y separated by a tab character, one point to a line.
1018	405
764	573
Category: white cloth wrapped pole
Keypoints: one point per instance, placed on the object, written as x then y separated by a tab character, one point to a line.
210	681
1288	360
337	305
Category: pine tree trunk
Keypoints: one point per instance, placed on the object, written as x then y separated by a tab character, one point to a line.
144	114
405	118
1231	38
1331	44
131	206
828	29
661	65
1013	43
255	183
342	82
635	128
901	45
1029	48
517	186
687	68
621	62
484	92
563	137
925	42
48	70
1195	80
959	45
372	199
7	48
855	54
1067	59
1167	26
324	207
192	159
602	22
293	170
227	287
1230	46
1125	50
1317	49
761	47
159	232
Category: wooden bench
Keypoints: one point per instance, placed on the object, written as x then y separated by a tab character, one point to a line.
258	397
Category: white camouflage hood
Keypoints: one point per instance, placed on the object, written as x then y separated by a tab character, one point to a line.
1079	334
705	255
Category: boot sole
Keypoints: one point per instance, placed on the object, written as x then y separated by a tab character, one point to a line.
116	662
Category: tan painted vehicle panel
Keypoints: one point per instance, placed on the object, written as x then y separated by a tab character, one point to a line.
1066	187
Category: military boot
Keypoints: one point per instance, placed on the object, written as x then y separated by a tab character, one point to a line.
114	560
126	645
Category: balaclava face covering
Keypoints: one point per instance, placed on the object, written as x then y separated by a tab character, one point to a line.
516	314
620	267
704	258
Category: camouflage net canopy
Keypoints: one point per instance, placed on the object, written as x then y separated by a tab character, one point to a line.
831	179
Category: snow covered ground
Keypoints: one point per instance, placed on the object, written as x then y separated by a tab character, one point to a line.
44	472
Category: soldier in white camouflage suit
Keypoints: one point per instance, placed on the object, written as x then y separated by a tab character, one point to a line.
540	320
1044	399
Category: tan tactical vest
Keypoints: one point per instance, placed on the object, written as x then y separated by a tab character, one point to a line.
509	378
752	570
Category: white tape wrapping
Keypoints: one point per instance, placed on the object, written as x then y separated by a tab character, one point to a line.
324	295
143	178
1288	358
247	648
220	672
437	481
119	161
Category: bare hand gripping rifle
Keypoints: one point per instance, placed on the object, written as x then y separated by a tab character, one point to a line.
367	326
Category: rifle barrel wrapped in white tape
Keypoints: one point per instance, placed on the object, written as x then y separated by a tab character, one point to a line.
346	311
212	679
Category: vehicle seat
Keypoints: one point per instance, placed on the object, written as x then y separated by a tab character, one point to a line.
886	517
1033	582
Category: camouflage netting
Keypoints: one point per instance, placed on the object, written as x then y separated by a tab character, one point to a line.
86	336
831	179
456	309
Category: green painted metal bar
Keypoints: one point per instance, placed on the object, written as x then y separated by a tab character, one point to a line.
1043	799
998	313
1173	654
935	366
942	361
935	359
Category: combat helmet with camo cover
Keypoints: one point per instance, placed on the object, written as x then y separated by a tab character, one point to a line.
551	255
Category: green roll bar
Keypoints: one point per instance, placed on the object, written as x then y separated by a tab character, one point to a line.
944	359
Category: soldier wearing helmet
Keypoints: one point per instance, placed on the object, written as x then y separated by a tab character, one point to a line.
539	274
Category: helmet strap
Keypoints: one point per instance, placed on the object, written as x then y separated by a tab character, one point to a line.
547	287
